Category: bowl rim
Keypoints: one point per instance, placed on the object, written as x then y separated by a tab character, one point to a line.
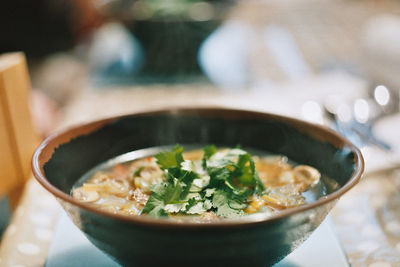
50	143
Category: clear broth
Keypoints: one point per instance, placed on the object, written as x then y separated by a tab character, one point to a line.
324	187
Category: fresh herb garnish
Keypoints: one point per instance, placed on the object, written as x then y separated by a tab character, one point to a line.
221	184
170	159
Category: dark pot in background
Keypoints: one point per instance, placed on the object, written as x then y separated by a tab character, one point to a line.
171	46
169	39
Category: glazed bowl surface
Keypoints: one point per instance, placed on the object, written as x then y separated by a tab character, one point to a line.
256	240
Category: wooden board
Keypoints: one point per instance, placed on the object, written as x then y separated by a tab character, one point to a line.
18	138
8	161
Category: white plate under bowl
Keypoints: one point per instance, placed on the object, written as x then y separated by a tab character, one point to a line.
71	248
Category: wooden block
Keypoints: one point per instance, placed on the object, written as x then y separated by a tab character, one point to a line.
8	160
18	138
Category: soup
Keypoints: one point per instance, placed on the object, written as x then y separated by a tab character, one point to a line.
208	184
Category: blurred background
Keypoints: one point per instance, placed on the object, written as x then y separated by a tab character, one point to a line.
332	62
230	46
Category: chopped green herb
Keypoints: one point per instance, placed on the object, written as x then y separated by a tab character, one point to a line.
208	152
155	204
222	184
170	159
221	201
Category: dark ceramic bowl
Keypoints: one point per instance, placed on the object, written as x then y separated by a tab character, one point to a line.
144	241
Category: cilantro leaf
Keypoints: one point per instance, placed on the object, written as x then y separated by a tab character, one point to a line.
246	173
209	192
158	211
173	192
199	184
221	201
218	175
169	197
208	152
237	204
195	207
187	178
170	159
175	208
162	195
258	185
155	204
207	204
